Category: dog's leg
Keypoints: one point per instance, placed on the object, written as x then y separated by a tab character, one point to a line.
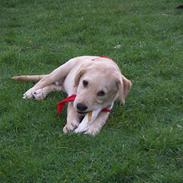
72	119
97	125
40	94
58	74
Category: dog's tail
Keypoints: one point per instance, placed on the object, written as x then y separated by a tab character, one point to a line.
28	77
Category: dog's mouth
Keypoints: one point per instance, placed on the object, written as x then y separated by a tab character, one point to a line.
82	113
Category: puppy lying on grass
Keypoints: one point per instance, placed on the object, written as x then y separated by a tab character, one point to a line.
97	83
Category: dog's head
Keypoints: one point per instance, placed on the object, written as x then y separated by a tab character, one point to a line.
98	85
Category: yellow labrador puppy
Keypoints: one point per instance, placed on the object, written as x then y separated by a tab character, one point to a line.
96	81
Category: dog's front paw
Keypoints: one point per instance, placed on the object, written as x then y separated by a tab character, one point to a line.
81	129
92	131
28	94
39	94
70	127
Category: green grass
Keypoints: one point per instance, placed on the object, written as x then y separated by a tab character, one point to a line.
143	141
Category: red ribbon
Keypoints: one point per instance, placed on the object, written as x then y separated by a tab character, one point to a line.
105	57
61	104
71	98
101	57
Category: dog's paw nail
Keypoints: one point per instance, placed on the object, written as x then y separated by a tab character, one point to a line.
65	129
24	97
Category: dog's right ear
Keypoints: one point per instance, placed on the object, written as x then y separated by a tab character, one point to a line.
79	74
124	86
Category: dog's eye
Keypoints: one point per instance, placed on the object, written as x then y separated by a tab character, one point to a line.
85	83
101	93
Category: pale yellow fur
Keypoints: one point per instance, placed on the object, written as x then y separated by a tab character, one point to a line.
102	74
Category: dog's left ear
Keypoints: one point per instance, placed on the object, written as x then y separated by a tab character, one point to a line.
79	74
124	86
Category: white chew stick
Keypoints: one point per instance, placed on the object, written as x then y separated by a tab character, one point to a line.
88	119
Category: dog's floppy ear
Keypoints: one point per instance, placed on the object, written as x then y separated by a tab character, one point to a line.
79	74
124	86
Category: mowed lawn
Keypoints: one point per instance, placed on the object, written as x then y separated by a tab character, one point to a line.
142	141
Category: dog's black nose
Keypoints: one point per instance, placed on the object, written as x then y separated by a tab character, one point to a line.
81	107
